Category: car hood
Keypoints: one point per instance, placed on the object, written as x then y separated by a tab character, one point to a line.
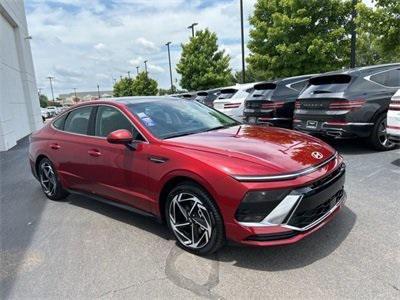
255	150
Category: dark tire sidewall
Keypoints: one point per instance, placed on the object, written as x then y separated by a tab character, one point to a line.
60	193
374	139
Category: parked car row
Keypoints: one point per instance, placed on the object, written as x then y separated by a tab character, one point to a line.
51	111
350	103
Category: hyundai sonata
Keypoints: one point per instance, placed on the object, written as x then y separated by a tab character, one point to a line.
208	177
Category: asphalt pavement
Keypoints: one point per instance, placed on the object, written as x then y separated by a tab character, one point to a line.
83	249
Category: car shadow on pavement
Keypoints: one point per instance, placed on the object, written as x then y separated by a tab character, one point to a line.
307	251
350	146
146	223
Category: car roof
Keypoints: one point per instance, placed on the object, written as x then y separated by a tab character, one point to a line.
360	69
144	99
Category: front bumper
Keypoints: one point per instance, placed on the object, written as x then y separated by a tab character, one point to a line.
270	121
301	212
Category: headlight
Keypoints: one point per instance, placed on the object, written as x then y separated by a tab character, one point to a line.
256	205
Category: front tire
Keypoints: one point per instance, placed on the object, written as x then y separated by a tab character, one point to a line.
51	185
194	219
379	137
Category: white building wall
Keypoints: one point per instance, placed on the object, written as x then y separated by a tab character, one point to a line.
19	103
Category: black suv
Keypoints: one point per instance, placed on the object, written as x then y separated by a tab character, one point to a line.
349	103
207	97
272	102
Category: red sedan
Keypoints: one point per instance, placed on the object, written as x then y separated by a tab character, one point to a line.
207	176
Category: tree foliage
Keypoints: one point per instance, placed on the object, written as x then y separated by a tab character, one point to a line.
141	85
292	37
202	66
44	101
379	31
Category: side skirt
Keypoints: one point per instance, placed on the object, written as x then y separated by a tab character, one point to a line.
116	204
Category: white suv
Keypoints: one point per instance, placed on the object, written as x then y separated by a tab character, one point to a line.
231	100
393	118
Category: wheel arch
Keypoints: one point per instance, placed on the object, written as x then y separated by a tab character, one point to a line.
173	181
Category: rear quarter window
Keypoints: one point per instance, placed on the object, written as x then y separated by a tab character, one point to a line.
390	78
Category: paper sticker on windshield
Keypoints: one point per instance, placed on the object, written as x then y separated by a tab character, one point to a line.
146	119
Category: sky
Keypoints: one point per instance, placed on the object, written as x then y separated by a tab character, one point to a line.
83	43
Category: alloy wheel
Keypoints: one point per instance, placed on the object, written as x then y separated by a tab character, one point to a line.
48	179
190	220
383	136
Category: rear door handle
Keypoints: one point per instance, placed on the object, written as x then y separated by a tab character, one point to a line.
55	146
94	152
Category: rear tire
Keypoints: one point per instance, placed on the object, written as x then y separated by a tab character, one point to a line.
194	219
379	138
48	178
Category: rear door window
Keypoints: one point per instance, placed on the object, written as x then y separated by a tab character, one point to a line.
389	78
78	120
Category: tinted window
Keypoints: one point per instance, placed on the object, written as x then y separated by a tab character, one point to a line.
78	120
166	119
389	78
298	86
262	91
59	123
109	119
328	84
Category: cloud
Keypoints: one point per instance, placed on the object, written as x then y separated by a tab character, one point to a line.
76	39
99	46
146	46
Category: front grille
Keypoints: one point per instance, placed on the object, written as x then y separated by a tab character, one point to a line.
318	198
304	218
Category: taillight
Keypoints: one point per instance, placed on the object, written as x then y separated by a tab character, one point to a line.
272	105
346	104
297	104
232	105
394	105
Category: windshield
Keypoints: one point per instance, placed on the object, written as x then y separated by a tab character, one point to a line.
172	118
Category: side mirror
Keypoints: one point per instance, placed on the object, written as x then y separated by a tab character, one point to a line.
120	136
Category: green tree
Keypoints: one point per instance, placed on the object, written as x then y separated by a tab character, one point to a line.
379	31
143	85
44	101
237	77
123	87
293	37
202	66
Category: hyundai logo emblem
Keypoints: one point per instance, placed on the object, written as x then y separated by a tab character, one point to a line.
317	155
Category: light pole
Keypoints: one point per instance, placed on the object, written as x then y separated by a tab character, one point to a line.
129	74
242	33
170	68
192	27
51	78
137	70
145	66
98	91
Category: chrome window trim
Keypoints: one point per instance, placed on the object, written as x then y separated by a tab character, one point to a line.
368	78
93	136
251	178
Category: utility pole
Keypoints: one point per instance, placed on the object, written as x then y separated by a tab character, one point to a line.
129	74
170	68
145	66
98	91
51	78
353	35
75	99
242	33
137	70
192	27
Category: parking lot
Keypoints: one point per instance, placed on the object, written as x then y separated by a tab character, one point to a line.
84	249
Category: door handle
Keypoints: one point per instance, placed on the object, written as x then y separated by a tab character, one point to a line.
94	152
55	146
